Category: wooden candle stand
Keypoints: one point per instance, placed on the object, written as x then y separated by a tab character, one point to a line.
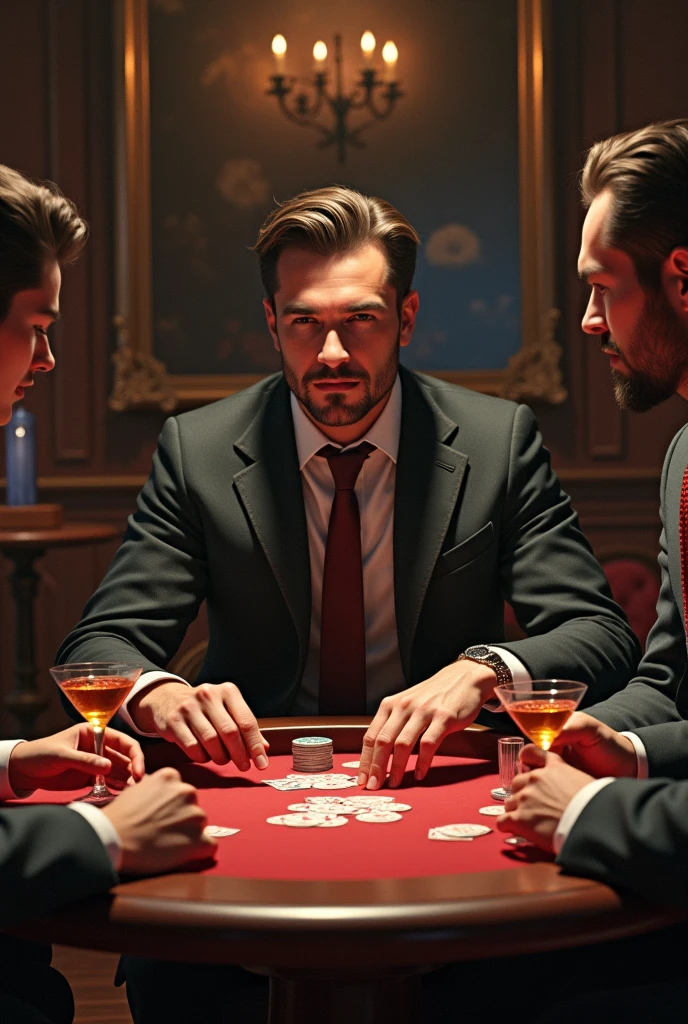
30	517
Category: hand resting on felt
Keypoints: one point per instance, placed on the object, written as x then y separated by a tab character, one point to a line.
210	722
427	712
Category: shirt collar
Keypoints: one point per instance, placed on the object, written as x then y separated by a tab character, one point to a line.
384	433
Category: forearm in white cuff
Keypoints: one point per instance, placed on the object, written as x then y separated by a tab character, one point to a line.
104	829
6	791
142	683
643	769
519	673
574	808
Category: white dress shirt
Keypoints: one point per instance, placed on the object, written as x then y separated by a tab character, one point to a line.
374	490
102	826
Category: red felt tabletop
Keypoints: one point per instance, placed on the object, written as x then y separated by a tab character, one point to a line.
453	791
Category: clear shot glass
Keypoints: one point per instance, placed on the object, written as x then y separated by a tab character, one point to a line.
509	752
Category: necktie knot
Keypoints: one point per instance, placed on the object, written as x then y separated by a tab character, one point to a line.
346	465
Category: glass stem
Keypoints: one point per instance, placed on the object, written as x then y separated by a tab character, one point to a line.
99	741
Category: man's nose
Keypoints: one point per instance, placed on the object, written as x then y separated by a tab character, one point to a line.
43	359
594	320
333	352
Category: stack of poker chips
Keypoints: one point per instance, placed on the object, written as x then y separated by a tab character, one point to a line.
312	754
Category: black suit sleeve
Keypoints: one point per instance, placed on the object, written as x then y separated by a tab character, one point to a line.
157	580
649	699
552	580
49	856
634	835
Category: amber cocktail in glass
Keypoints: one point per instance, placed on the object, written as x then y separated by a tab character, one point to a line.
97	690
542	707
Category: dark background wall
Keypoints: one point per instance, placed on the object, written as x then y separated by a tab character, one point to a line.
617	65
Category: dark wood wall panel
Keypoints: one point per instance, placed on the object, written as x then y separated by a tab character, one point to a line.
617	64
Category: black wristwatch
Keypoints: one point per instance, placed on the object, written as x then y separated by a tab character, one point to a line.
485	656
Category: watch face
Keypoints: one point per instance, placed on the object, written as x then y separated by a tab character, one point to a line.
478	652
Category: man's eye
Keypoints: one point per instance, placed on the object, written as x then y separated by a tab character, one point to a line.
303	320
41	330
599	288
362	317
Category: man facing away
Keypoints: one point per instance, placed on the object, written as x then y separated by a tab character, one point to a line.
52	855
355	529
629	826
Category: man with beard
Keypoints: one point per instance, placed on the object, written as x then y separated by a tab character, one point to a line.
355	529
622	831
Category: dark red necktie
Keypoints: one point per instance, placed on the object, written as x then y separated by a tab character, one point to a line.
342	634
683	544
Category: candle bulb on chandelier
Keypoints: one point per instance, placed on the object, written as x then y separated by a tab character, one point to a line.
279	49
368	45
319	55
390	56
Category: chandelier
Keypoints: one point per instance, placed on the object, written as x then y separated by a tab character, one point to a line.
373	95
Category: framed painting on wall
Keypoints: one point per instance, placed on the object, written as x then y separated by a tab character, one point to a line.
204	150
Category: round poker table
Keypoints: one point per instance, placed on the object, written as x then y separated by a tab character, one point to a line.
352	916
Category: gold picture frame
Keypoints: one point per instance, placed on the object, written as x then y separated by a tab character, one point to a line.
141	381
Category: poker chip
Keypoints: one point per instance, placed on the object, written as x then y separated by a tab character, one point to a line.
219	831
351	764
517	841
371	798
396	807
493	810
434	833
463	830
335	822
499	793
378	817
312	754
323	799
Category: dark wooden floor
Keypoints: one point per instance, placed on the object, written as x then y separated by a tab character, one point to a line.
90	974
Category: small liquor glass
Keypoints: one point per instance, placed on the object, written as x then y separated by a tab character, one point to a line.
509	751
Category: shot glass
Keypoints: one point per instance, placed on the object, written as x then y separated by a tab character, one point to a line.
509	751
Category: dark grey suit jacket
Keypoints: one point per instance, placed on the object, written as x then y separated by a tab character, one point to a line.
479	517
655	703
634	835
49	856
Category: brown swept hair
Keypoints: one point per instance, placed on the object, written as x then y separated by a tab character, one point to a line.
647	173
37	224
337	220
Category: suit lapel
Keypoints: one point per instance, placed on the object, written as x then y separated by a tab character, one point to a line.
271	492
428	481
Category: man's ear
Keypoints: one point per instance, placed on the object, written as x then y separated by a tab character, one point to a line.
272	322
675	280
409	311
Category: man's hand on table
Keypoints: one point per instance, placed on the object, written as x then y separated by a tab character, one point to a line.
596	748
160	825
429	711
540	796
210	722
67	759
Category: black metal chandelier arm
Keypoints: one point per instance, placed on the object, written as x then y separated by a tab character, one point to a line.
391	96
305	118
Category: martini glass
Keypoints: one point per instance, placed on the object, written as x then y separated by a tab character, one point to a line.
542	707
96	689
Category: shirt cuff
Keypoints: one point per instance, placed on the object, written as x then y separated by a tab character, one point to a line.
643	770
6	791
104	829
519	673
142	683
574	808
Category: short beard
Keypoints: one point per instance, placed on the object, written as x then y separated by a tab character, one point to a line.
639	393
337	413
661	341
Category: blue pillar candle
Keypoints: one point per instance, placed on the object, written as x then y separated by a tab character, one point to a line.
20	448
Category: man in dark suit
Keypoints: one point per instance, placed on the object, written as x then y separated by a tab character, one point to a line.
458	509
355	529
52	855
632	831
